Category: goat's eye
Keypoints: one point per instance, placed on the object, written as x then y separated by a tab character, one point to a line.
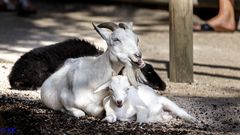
110	90
116	40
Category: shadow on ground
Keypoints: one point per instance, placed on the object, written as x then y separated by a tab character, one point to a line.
57	21
201	73
32	117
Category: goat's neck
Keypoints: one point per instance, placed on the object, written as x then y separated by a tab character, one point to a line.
115	64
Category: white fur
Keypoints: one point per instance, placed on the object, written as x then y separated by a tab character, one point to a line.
141	103
71	87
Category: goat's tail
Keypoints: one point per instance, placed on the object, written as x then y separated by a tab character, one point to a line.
175	109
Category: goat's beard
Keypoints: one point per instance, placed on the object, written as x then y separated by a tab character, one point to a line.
135	76
133	73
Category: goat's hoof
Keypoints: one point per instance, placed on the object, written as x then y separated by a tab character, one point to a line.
166	117
110	119
192	120
76	112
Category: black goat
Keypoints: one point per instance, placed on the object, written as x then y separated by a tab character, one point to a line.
153	80
35	66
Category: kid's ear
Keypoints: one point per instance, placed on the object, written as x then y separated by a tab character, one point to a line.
102	87
105	34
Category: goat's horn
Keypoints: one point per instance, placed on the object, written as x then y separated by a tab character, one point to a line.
122	25
110	25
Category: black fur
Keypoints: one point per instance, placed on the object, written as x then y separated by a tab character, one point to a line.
35	66
152	77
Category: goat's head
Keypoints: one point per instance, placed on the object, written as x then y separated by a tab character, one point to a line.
118	87
122	43
152	78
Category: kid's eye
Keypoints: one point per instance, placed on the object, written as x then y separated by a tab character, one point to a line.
110	90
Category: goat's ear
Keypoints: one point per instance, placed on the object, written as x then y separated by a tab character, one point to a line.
105	34
130	25
102	87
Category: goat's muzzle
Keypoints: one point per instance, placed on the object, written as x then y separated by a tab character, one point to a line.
141	63
137	61
119	103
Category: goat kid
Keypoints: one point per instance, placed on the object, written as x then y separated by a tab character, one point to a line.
71	88
128	103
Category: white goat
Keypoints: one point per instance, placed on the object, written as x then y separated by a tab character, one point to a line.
125	102
71	88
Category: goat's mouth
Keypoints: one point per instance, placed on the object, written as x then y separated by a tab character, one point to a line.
139	62
119	105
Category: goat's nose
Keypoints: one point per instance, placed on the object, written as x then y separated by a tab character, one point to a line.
119	102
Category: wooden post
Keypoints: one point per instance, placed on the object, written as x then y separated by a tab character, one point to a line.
181	40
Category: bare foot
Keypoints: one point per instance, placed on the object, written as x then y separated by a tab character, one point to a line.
223	23
225	20
220	24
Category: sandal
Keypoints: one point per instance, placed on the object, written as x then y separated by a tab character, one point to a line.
205	27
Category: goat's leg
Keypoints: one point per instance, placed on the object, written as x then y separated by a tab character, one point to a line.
155	110
68	101
164	117
110	113
110	118
172	107
75	112
142	114
94	109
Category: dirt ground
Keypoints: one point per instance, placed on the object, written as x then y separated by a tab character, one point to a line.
213	98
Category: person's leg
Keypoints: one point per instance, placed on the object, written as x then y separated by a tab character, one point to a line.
8	5
225	20
24	3
1	2
25	8
2	5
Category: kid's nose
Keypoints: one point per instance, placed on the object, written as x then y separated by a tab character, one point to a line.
119	102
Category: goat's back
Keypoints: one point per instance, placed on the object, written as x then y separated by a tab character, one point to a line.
143	95
35	66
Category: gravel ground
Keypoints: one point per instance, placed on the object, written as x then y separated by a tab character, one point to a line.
213	98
